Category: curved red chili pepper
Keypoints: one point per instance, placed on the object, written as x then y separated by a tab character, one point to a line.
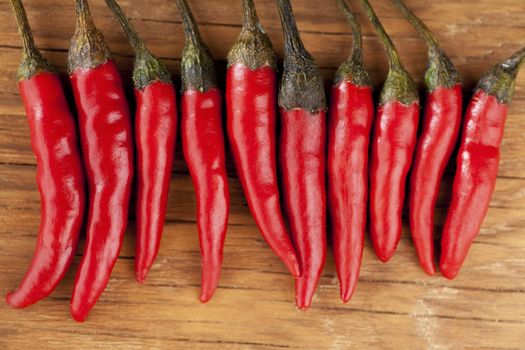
393	141
251	86
155	132
106	138
440	129
439	132
203	148
302	155
60	175
351	114
477	162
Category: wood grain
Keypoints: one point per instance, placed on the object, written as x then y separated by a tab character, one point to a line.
396	306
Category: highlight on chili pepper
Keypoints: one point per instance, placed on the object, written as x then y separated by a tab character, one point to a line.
438	137
350	118
477	162
155	133
302	104
107	147
203	148
393	141
251	100
60	176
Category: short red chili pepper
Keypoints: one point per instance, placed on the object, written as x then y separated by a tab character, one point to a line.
351	114
155	132
203	148
477	162
251	100
302	155
60	175
106	139
393	141
439	134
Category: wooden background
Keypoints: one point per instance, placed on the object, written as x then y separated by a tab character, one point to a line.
396	306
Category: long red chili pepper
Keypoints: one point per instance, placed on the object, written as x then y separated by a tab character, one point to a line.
203	148
155	132
251	101
106	138
351	114
302	155
477	162
393	141
441	123
60	175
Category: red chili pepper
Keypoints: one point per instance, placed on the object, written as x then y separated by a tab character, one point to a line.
302	155
106	138
203	148
350	120
393	142
251	99
477	162
60	175
155	132
441	123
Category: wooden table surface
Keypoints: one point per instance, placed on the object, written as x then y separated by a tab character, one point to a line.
396	306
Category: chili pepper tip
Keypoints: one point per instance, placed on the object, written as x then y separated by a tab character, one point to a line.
13	299
140	275
447	271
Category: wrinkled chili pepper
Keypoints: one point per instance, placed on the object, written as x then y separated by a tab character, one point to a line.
203	148
251	101
302	155
393	141
477	162
155	132
106	139
351	114
440	129
60	175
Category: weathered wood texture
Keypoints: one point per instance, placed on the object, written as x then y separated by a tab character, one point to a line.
396	306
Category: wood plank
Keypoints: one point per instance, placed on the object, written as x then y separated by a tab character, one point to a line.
396	306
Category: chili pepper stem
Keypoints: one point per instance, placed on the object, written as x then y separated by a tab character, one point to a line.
302	84
32	60
501	79
147	68
253	47
441	70
88	48
197	68
353	69
399	84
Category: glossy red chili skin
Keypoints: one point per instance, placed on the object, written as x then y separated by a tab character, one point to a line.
349	124
203	148
439	134
393	143
302	157
251	101
475	179
155	135
60	180
107	146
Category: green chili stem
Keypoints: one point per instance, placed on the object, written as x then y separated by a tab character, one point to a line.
292	40
250	21
357	46
428	36
191	31
393	56
84	18
514	62
132	35
28	43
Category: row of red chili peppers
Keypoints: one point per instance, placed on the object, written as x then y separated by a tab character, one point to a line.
107	163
